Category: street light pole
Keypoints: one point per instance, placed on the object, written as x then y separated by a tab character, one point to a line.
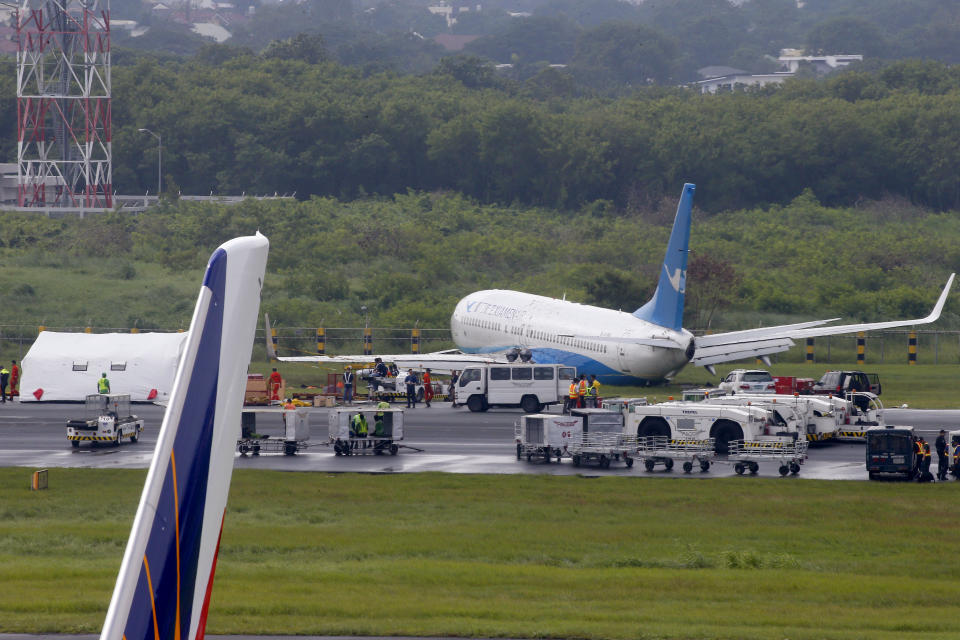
159	159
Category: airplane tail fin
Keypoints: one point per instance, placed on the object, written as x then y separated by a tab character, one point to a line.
268	336
165	581
665	308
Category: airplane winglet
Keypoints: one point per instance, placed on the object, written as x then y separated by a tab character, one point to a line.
271	351
937	308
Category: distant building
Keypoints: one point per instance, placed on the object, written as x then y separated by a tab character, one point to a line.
739	81
790	61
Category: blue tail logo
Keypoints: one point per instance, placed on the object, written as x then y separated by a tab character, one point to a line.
665	308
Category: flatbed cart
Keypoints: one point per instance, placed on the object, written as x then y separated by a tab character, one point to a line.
747	454
654	450
546	435
296	433
603	448
346	443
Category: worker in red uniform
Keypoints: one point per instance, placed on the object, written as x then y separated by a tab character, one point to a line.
276	381
14	379
427	388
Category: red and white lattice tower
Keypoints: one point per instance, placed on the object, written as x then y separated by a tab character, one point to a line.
63	104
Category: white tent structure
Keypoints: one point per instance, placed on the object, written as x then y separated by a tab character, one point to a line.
66	366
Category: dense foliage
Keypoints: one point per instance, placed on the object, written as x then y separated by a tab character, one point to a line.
409	258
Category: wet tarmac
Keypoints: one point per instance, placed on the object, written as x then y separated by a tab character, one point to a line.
438	438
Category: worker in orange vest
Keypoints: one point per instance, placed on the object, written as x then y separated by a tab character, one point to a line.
14	379
582	391
427	388
275	383
572	395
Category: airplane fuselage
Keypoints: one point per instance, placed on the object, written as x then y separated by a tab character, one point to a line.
557	331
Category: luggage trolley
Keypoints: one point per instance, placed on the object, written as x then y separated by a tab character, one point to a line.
654	450
347	443
546	435
602	440
747	454
296	433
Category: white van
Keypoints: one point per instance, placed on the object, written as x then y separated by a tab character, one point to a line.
528	386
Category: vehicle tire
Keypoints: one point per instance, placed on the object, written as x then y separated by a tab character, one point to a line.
394	449
739	468
873	475
668	464
244	449
75	444
687	466
705	466
754	468
628	461
546	455
116	440
289	448
519	450
475	404
723	431
576	460
650	427
530	404
649	464
604	461
794	468
784	470
134	437
420	394
256	449
529	457
336	448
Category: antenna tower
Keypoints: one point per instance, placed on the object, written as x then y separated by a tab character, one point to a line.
64	155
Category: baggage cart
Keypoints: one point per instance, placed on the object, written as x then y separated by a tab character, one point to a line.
601	449
377	441
602	439
747	454
654	450
546	435
296	433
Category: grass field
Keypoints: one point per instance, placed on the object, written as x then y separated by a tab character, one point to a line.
523	556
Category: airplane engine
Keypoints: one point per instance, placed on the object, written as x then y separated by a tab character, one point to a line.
512	355
691	349
526	355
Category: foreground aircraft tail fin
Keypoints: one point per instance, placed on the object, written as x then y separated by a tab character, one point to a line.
163	590
665	308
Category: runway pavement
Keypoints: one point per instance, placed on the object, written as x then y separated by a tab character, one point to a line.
453	441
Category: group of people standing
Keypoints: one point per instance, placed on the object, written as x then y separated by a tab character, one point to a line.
583	394
10	377
921	469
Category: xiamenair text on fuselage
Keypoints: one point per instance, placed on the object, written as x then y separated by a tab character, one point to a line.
647	345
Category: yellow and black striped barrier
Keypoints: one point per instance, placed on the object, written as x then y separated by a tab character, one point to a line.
912	348
809	349
861	346
321	341
851	434
92	438
367	341
415	341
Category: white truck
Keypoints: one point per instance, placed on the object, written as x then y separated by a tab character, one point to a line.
821	417
532	387
108	419
703	420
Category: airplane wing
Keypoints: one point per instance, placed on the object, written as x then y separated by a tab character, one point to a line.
735	345
440	361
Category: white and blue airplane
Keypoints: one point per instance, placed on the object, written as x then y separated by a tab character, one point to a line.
163	589
646	346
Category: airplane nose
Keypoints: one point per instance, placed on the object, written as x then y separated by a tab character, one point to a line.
691	349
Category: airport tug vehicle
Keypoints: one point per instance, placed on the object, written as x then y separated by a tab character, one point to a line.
108	419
